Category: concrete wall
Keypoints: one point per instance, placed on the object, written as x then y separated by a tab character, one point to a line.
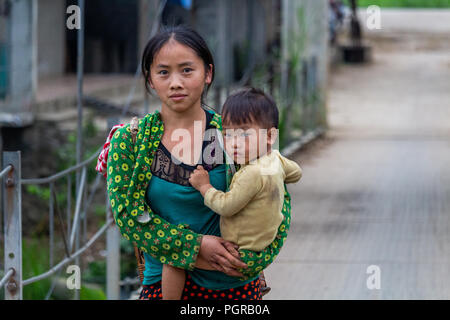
228	27
147	13
15	108
304	64
4	47
51	37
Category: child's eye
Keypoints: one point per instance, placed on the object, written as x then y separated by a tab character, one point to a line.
243	135
163	72
187	70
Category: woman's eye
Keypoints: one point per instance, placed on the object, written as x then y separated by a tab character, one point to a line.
187	70
163	72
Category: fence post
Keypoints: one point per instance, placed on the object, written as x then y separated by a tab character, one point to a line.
12	213
112	248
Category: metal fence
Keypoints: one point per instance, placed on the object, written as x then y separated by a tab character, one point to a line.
74	238
12	264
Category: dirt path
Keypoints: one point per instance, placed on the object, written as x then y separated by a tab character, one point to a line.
375	190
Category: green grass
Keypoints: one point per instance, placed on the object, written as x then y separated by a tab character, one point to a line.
35	257
92	294
406	3
35	261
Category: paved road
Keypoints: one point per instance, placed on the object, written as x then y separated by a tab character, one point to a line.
376	189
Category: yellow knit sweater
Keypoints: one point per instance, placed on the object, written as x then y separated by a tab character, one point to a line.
251	210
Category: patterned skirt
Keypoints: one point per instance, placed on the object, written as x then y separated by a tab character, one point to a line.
192	291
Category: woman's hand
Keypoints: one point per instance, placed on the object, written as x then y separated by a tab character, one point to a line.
199	179
222	255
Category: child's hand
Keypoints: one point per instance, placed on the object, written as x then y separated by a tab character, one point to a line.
199	179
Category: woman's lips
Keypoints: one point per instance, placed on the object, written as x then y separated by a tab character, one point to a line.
178	97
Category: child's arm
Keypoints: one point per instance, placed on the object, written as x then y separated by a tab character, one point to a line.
243	188
291	169
199	179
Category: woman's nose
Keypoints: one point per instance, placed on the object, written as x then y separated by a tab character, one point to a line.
175	82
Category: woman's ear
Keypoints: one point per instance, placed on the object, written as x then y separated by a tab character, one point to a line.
151	84
209	73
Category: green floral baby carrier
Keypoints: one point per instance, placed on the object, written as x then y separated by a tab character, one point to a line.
128	175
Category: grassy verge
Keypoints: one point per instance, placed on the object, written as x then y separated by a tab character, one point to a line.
35	261
406	3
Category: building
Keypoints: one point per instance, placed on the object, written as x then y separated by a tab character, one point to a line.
38	51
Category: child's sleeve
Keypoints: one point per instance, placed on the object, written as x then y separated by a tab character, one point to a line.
292	170
245	185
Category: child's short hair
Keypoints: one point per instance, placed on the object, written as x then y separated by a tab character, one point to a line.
250	105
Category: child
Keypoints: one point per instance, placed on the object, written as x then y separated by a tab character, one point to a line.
251	209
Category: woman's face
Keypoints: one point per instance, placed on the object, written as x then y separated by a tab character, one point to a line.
178	76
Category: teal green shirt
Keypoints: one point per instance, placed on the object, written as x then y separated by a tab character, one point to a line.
179	204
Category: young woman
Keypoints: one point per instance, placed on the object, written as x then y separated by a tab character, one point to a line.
154	204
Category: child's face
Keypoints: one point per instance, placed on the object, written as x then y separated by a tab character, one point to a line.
246	142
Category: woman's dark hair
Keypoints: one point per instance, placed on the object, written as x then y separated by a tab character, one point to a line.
184	35
250	105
